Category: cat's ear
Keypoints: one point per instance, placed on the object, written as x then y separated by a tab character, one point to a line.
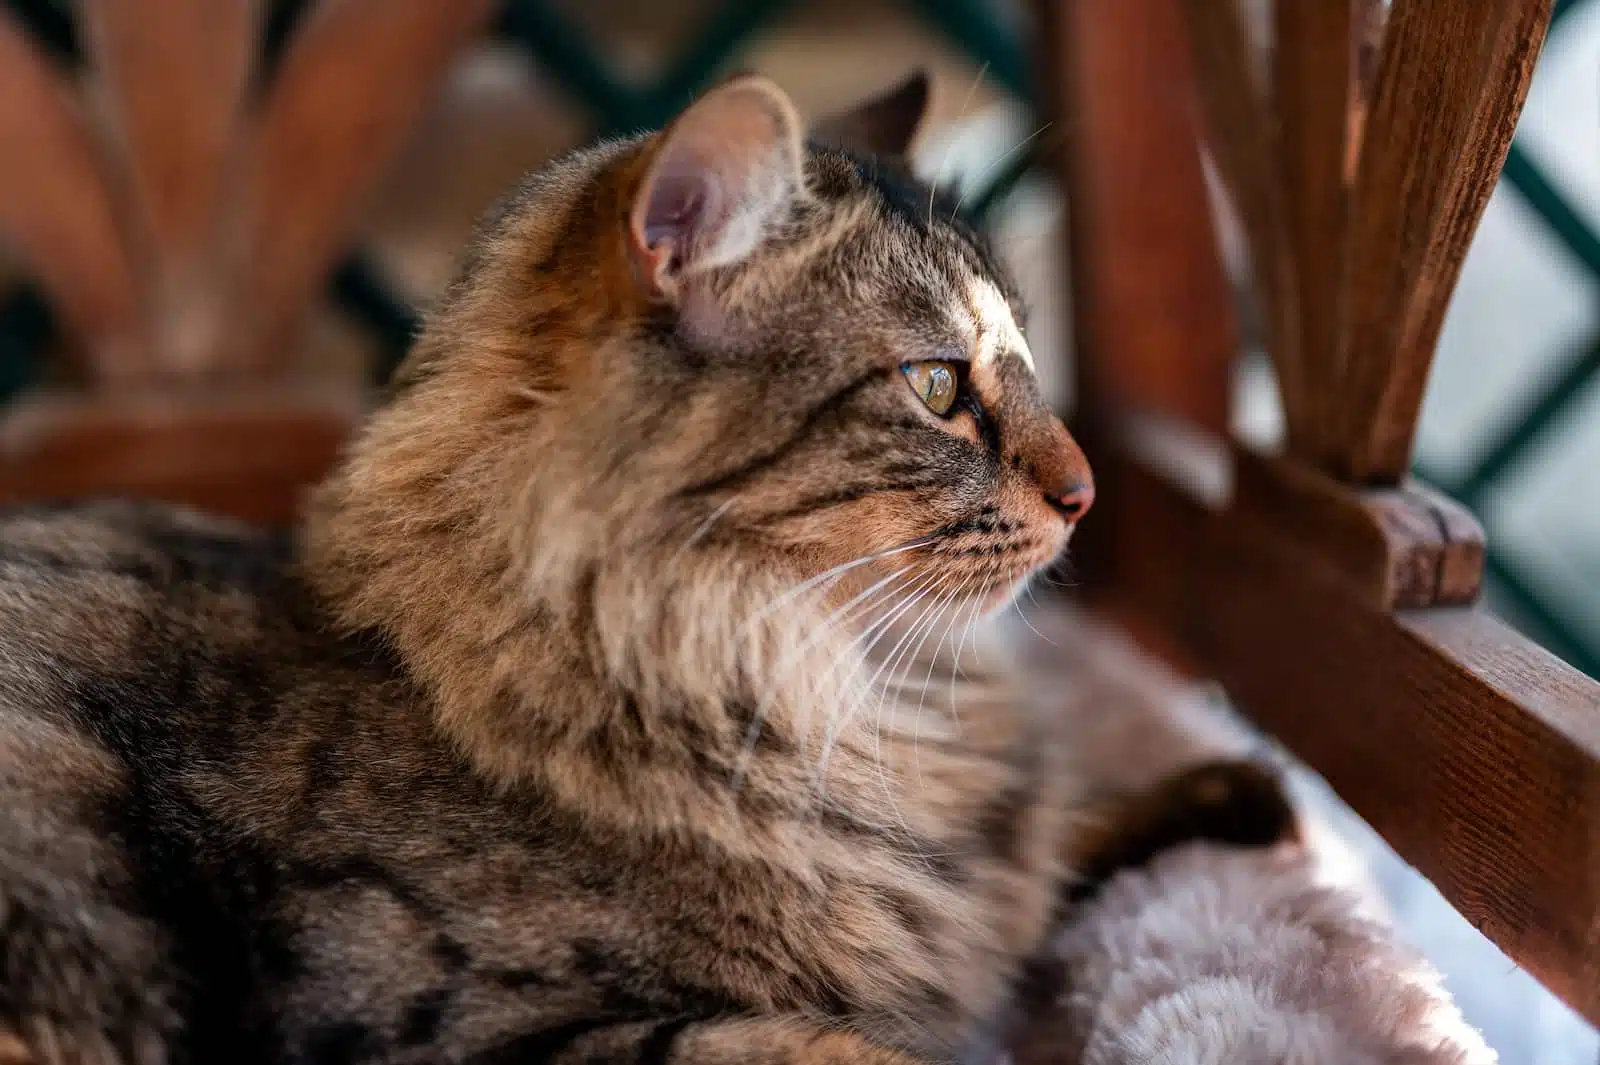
886	125
720	175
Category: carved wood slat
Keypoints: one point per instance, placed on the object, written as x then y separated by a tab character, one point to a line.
174	76
56	208
1450	83
1150	299
1475	754
328	128
1316	96
1244	142
185	235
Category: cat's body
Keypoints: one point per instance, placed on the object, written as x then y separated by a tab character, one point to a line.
284	843
608	706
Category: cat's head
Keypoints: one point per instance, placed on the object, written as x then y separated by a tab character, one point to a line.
730	340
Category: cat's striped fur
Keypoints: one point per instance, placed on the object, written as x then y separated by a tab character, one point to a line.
544	741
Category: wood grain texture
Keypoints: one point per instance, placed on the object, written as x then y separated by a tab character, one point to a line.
1153	311
1406	546
248	455
354	79
174	77
1450	83
1474	753
1315	92
57	210
1244	142
1371	21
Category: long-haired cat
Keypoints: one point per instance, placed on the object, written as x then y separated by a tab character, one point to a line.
588	717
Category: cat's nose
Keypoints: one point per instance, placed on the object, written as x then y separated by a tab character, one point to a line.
1063	473
1075	502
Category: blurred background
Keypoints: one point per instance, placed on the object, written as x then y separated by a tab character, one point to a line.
1511	425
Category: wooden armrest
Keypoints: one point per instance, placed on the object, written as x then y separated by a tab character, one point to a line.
1473	752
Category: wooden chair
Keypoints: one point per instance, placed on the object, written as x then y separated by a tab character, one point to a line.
182	218
1326	590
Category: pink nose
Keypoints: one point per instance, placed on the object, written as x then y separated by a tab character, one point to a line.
1075	502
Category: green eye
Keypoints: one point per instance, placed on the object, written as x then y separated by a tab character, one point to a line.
935	383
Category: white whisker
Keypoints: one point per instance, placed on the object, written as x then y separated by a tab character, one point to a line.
922	697
986	171
1017	605
837	571
793	656
700	532
928	610
836	730
972	617
950	145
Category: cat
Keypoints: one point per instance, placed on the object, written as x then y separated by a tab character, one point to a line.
608	703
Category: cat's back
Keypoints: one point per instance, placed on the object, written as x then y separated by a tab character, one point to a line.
117	594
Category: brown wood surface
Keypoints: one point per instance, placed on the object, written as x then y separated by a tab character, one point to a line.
1372	19
57	210
1474	753
1315	93
1153	310
247	455
1450	83
1244	143
1406	546
354	79
174	77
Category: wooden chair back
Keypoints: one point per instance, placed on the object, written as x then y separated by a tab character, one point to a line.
182	209
1330	593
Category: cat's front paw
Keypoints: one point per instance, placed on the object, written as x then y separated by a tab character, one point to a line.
1234	802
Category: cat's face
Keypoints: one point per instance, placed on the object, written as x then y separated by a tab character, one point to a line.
773	344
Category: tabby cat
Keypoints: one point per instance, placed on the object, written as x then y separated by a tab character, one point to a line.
606	705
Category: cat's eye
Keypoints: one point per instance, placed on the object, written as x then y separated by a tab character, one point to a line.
935	383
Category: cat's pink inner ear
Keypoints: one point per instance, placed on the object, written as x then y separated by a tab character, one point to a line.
721	175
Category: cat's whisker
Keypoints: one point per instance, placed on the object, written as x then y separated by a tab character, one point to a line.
836	728
884	598
854	652
933	661
538	396
917	650
837	571
950	145
1017	605
972	618
857	653
977	182
701	531
791	658
796	654
926	622
931	616
890	683
853	661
